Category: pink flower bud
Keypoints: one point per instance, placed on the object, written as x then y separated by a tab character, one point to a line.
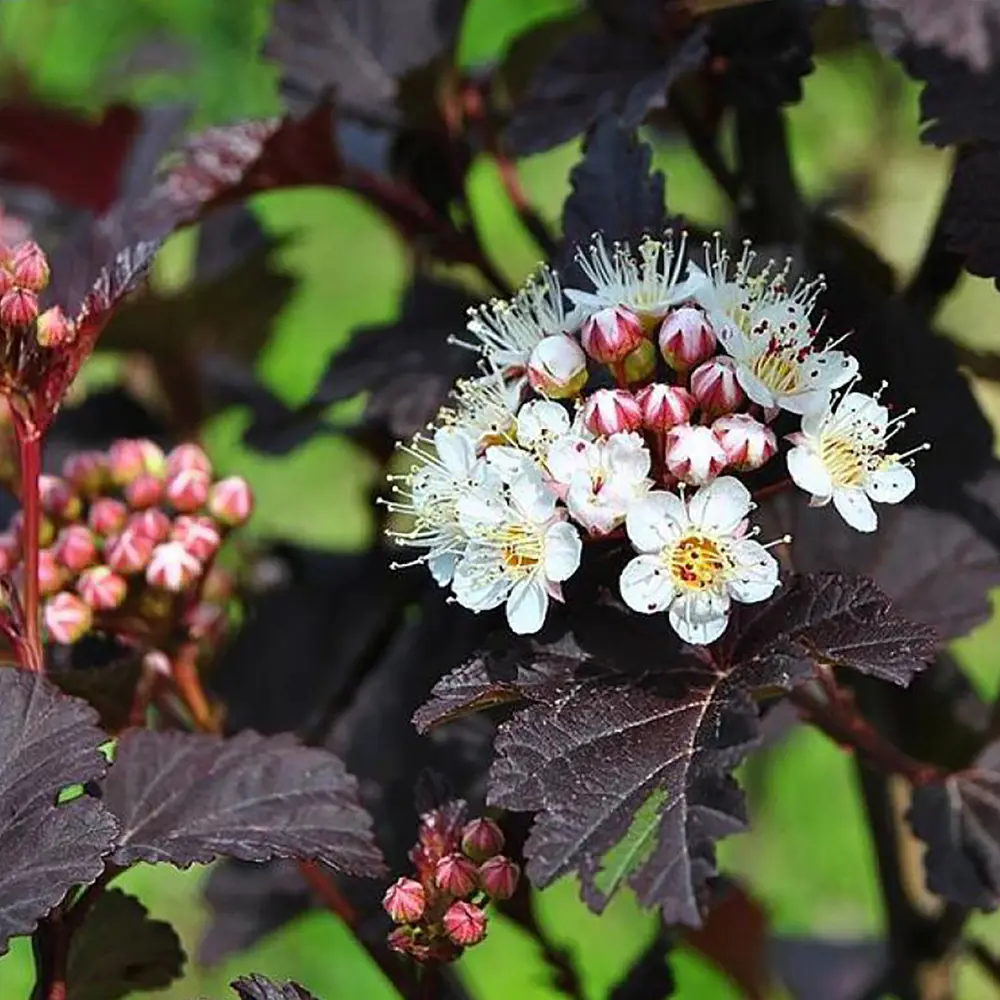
693	454
187	490
30	267
86	471
715	387
54	329
145	490
101	588
10	551
76	548
558	367
747	442
129	458
498	877
405	901
107	516
230	501
610	411
18	309
129	553
686	338
664	406
464	923
640	365
172	567
58	498
152	522
51	576
198	535
46	531
456	875
188	456
482	839
67	617
611	335
6	281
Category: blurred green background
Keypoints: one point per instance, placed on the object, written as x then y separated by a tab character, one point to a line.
807	857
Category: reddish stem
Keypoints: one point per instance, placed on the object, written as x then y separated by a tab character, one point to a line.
29	445
769	491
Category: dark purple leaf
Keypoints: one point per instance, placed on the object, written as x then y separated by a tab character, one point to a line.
255	987
650	977
47	743
189	798
109	689
119	950
813	969
972	211
598	73
959	820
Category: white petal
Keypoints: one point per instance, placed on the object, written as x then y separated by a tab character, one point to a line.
757	392
599	512
627	458
757	572
540	418
699	617
527	606
646	585
586	299
856	509
571	455
891	484
457	450
829	370
477	584
532	497
808	472
442	567
812	423
655	521
509	462
812	401
562	551
479	508
720	506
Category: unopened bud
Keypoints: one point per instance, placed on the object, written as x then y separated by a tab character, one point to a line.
51	576
58	498
405	901
498	877
54	329
152	522
693	454
172	567
611	411
144	491
10	552
107	516
86	471
187	490
640	366
198	535
129	458
456	875
686	338
664	406
557	367
714	385
6	281
76	548
129	553
611	335
67	617
188	456
18	309
46	530
482	839
30	267
230	501
464	923
747	442
101	588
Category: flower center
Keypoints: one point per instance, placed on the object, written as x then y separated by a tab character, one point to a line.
846	460
697	562
520	548
777	371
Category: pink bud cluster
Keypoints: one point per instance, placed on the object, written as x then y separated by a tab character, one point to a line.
459	868
129	541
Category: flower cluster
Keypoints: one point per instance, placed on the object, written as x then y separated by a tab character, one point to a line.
129	541
632	406
459	868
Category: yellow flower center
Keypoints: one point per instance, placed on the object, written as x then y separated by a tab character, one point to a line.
520	548
697	562
846	460
777	372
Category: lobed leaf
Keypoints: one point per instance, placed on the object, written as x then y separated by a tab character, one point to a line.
48	742
189	798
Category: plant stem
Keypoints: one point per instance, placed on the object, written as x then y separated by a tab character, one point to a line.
29	444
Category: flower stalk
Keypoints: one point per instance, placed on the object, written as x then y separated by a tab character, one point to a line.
29	445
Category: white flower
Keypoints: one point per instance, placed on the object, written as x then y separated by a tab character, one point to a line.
840	455
506	332
540	422
649	286
766	327
601	478
446	467
695	559
486	408
521	548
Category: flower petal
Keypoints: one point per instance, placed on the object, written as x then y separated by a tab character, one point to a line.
457	450
808	472
627	459
655	521
807	403
699	617
527	606
478	583
856	509
571	455
757	392
562	551
756	572
539	419
720	506
442	567
891	484
532	497
646	585
829	370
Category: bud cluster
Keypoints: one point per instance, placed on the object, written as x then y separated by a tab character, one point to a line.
459	868
129	538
